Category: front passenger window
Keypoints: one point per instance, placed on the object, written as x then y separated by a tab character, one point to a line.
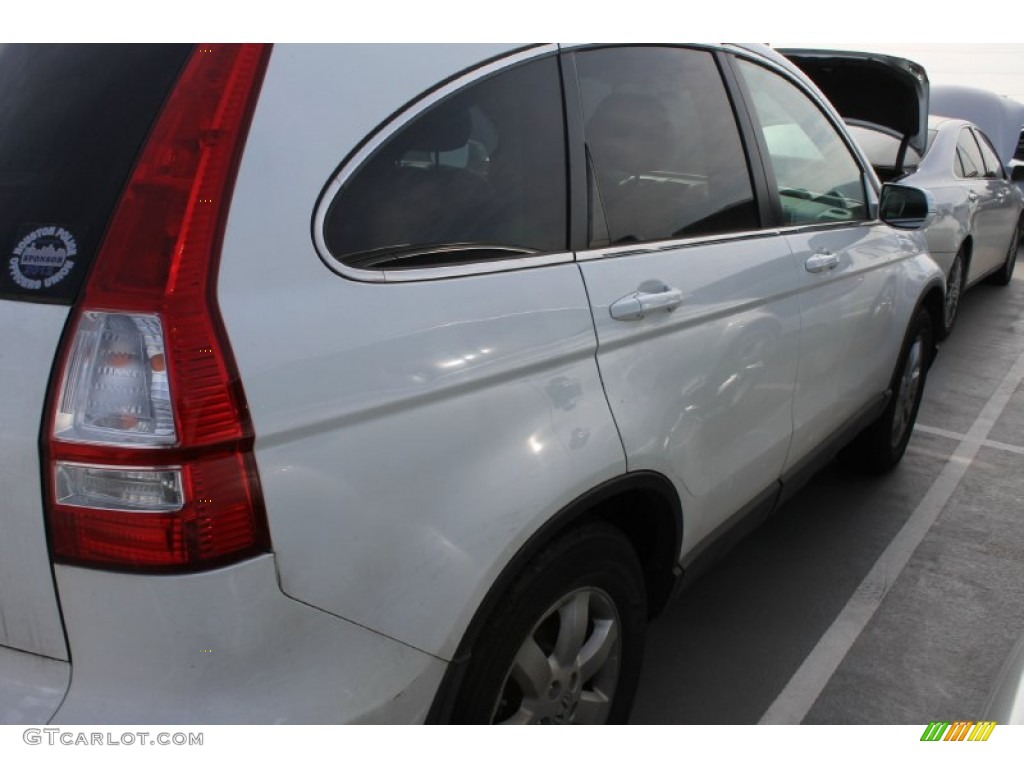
817	177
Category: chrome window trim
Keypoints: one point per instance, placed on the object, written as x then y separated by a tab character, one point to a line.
355	160
656	246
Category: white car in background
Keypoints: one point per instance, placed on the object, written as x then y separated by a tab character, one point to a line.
976	230
355	383
999	117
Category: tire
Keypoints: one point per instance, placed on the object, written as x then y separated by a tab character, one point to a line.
880	447
954	291
566	642
1005	273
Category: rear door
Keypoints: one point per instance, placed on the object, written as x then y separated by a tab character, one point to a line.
72	121
1001	205
694	302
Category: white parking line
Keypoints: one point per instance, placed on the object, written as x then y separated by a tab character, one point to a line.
959	437
803	689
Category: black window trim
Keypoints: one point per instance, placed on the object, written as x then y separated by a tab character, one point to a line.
983	144
965	130
391	125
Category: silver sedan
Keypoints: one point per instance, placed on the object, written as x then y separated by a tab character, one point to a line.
976	230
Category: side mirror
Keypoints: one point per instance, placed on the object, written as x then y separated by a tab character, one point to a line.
906	207
1017	173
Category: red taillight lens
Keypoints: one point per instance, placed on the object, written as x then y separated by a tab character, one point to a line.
150	445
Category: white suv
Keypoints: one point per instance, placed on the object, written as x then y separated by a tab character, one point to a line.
403	383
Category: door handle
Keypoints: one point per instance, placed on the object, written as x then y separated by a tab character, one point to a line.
822	262
972	195
639	304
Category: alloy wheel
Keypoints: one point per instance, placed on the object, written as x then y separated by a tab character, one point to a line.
906	397
567	668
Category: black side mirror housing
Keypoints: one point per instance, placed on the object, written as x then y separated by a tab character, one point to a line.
906	207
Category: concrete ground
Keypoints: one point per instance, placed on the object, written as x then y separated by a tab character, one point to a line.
890	600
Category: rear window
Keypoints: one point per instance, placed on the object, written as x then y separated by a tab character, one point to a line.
479	176
73	119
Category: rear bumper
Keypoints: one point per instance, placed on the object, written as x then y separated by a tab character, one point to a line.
228	647
31	687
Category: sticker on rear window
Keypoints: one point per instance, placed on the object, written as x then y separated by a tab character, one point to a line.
43	258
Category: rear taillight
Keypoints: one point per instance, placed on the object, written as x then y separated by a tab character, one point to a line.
149	444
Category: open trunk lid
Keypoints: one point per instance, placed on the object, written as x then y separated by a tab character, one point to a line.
871	89
999	117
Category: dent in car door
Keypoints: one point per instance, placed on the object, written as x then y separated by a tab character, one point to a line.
696	316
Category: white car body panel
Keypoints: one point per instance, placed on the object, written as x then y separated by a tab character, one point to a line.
363	391
29	614
31	687
703	394
227	646
854	318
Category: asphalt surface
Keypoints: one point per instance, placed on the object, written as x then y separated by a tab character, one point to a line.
891	600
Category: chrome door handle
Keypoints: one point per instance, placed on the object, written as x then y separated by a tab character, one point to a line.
821	262
972	195
639	304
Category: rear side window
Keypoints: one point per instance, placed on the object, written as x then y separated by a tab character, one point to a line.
663	146
818	179
72	120
969	162
882	150
993	168
477	177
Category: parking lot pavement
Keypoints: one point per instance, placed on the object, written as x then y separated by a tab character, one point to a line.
873	600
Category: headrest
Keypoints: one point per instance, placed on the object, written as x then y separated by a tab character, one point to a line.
440	130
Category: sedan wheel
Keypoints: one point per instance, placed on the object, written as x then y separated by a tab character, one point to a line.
565	644
1004	275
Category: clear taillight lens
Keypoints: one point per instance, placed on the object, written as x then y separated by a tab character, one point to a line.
115	389
119	488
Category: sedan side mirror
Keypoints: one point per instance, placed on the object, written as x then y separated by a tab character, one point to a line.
906	207
1017	173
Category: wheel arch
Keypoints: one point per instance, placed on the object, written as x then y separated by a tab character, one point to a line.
966	247
644	506
933	302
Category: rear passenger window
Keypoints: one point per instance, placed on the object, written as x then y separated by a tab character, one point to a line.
818	179
663	146
969	156
479	176
993	168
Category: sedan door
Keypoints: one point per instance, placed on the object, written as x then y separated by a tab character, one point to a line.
999	206
695	307
983	204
